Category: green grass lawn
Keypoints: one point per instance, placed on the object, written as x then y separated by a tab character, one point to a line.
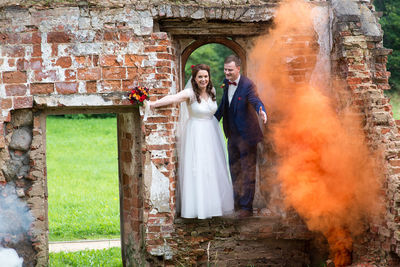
82	173
95	258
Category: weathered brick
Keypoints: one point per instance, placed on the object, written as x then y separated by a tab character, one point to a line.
110	85
154	229
163	63
36	38
165	56
162	76
163	70
157	119
128	36
155	48
36	63
58	37
166	83
164	42
128	85
395	162
23	102
48	75
26	37
64	62
134	60
111	36
11	62
41	88
354	81
22	64
9	38
37	51
70	75
66	88
113	73
159	35
89	74
109	60
16	89
132	73
13	51
14	77
5	103
81	61
91	86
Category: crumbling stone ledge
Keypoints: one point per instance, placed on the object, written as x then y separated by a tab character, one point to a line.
273	240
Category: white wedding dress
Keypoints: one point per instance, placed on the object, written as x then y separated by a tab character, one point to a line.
204	181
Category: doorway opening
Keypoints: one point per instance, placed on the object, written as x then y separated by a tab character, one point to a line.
83	184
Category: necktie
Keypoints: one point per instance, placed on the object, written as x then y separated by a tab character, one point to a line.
234	83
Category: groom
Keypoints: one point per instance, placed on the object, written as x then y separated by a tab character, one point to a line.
239	107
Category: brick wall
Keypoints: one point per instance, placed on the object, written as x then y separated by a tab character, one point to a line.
75	58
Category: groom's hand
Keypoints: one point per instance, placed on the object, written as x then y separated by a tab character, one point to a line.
263	115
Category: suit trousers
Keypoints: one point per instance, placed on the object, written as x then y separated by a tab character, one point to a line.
242	164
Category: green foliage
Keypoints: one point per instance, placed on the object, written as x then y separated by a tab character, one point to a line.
96	258
390	22
82	178
214	56
395	102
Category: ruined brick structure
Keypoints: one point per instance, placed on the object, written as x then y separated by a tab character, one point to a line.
82	57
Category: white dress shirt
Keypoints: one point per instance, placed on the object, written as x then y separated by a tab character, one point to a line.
232	89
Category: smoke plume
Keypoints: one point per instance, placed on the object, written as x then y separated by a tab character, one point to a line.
15	221
10	258
325	169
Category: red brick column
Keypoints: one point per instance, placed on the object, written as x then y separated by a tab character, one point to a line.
159	149
360	60
131	187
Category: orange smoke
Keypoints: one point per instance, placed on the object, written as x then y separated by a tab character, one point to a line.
325	169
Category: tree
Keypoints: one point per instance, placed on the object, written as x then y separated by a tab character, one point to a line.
390	22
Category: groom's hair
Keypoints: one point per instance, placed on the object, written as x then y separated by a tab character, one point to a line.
233	58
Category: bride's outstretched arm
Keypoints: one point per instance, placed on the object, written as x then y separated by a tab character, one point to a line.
170	99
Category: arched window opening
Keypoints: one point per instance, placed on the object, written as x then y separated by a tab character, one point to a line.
213	55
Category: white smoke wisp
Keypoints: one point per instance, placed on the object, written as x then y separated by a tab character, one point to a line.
15	222
10	258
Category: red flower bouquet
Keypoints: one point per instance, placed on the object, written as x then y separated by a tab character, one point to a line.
138	95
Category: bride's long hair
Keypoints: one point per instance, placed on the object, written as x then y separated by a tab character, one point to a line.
196	89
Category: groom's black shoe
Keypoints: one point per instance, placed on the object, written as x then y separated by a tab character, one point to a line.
244	214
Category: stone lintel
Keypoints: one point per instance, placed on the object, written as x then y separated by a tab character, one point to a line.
178	27
82	100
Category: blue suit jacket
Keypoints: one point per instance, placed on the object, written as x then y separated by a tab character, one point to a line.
243	111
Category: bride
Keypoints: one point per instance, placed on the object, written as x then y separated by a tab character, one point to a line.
204	181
